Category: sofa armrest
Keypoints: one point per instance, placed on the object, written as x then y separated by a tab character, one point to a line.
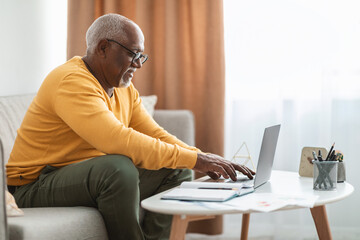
177	122
3	217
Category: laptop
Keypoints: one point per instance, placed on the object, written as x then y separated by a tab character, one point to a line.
265	162
200	192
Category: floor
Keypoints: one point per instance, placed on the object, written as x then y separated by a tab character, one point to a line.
232	232
281	237
224	237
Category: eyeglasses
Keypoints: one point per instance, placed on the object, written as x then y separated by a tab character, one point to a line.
137	56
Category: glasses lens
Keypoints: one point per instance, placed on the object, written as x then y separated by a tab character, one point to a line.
137	56
140	57
143	58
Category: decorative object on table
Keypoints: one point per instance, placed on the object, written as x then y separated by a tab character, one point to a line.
306	168
247	157
341	176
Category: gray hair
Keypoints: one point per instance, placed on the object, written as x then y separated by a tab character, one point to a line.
107	26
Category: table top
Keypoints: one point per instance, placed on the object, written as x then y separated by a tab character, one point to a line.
281	182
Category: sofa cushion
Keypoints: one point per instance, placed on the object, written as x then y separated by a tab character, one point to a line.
12	112
58	223
177	122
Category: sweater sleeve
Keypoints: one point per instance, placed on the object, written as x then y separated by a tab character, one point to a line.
83	108
143	122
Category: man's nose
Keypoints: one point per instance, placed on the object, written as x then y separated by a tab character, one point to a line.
137	63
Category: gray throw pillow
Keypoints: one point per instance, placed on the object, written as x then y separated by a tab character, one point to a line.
149	103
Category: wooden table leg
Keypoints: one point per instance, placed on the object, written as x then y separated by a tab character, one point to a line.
180	224
321	222
245	226
178	227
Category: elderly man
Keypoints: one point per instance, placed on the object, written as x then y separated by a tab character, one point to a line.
86	139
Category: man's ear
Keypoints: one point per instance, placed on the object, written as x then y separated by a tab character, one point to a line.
101	48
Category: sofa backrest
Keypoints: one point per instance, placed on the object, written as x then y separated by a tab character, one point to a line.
12	112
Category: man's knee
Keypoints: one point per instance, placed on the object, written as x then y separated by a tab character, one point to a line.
180	175
118	170
186	175
177	176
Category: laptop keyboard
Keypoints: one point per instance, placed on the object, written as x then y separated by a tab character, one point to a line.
242	179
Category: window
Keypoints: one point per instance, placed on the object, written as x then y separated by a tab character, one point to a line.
32	44
296	63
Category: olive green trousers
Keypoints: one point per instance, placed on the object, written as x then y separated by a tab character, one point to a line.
114	186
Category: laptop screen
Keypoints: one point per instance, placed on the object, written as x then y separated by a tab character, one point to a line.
267	154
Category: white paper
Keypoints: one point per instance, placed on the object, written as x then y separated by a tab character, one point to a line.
267	202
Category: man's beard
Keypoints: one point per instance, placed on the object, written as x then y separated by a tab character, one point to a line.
128	76
124	84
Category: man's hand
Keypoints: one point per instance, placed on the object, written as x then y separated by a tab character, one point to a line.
216	166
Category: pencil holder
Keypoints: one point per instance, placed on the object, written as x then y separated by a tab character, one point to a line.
325	175
341	176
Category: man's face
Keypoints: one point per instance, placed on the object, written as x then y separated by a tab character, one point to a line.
120	67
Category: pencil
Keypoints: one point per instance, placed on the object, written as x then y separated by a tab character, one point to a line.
333	156
327	158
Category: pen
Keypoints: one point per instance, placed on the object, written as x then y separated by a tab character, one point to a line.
319	156
333	156
328	156
314	155
218	188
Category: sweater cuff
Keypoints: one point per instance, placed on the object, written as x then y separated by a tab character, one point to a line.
187	159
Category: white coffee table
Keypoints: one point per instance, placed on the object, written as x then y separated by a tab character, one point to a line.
281	182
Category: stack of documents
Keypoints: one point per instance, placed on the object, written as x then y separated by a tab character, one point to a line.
207	191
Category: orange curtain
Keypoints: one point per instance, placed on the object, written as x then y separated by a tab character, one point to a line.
185	43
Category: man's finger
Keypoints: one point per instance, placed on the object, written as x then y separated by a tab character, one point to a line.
232	167
248	170
244	170
251	171
231	171
221	170
214	175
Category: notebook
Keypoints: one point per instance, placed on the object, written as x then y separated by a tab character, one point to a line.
206	191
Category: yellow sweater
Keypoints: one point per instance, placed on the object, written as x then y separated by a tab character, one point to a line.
72	119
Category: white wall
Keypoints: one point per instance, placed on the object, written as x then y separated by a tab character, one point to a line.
32	43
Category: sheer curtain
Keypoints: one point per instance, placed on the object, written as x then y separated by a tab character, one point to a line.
296	63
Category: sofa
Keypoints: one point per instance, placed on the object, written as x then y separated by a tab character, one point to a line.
62	222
